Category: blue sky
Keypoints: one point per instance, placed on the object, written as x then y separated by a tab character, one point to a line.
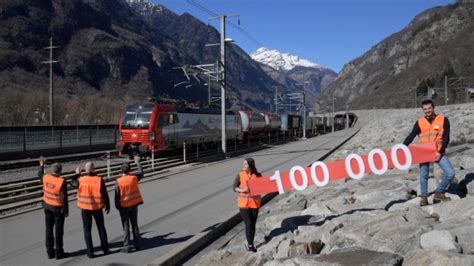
327	32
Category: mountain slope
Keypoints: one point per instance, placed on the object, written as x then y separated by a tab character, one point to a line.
108	55
244	76
437	43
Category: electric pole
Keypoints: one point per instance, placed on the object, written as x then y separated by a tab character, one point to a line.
209	91
304	105
445	90
51	62
333	115
223	83
276	99
222	79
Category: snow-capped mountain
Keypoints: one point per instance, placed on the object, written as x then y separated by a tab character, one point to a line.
290	70
281	61
144	7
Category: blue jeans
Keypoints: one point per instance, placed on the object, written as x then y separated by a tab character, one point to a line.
448	175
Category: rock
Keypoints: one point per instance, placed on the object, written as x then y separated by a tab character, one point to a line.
415	215
283	249
439	240
436	258
293	202
357	256
464	231
380	231
299	249
468	183
275	220
318	209
454	209
214	257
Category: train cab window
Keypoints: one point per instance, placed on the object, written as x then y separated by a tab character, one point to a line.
136	118
166	119
163	120
173	119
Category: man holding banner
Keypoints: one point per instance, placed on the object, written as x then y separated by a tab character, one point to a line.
433	128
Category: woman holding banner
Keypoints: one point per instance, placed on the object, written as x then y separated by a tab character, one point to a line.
248	205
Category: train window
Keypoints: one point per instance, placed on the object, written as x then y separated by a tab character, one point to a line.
136	119
173	119
163	120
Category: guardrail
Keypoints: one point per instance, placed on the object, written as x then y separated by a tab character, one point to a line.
27	141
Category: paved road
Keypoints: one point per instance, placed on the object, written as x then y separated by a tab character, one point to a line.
175	208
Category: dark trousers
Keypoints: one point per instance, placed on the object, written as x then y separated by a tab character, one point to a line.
250	219
129	216
87	225
54	220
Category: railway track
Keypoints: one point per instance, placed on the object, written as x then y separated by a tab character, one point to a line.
26	195
18	164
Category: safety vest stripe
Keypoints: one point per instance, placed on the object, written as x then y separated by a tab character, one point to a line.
131	193
53	199
131	199
51	193
89	197
249	197
89	203
428	135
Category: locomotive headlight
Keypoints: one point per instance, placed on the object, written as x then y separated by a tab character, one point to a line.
152	136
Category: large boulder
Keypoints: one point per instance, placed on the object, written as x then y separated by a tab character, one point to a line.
349	256
440	240
436	258
464	231
378	230
456	209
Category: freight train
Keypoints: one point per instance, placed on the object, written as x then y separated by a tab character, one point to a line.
155	127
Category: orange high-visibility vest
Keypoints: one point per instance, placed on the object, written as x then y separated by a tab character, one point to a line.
88	194
430	132
52	189
244	200
129	192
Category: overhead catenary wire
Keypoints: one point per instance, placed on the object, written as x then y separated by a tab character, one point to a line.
237	27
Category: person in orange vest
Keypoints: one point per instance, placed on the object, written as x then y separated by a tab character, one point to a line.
92	197
56	208
127	199
248	205
433	127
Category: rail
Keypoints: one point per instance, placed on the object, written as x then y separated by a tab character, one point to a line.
26	195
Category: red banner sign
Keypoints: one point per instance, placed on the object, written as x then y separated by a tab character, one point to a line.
354	166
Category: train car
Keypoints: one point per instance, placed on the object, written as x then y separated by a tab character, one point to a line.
252	124
158	127
341	120
290	122
272	122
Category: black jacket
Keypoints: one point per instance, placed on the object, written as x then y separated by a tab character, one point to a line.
103	189
139	175
63	195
